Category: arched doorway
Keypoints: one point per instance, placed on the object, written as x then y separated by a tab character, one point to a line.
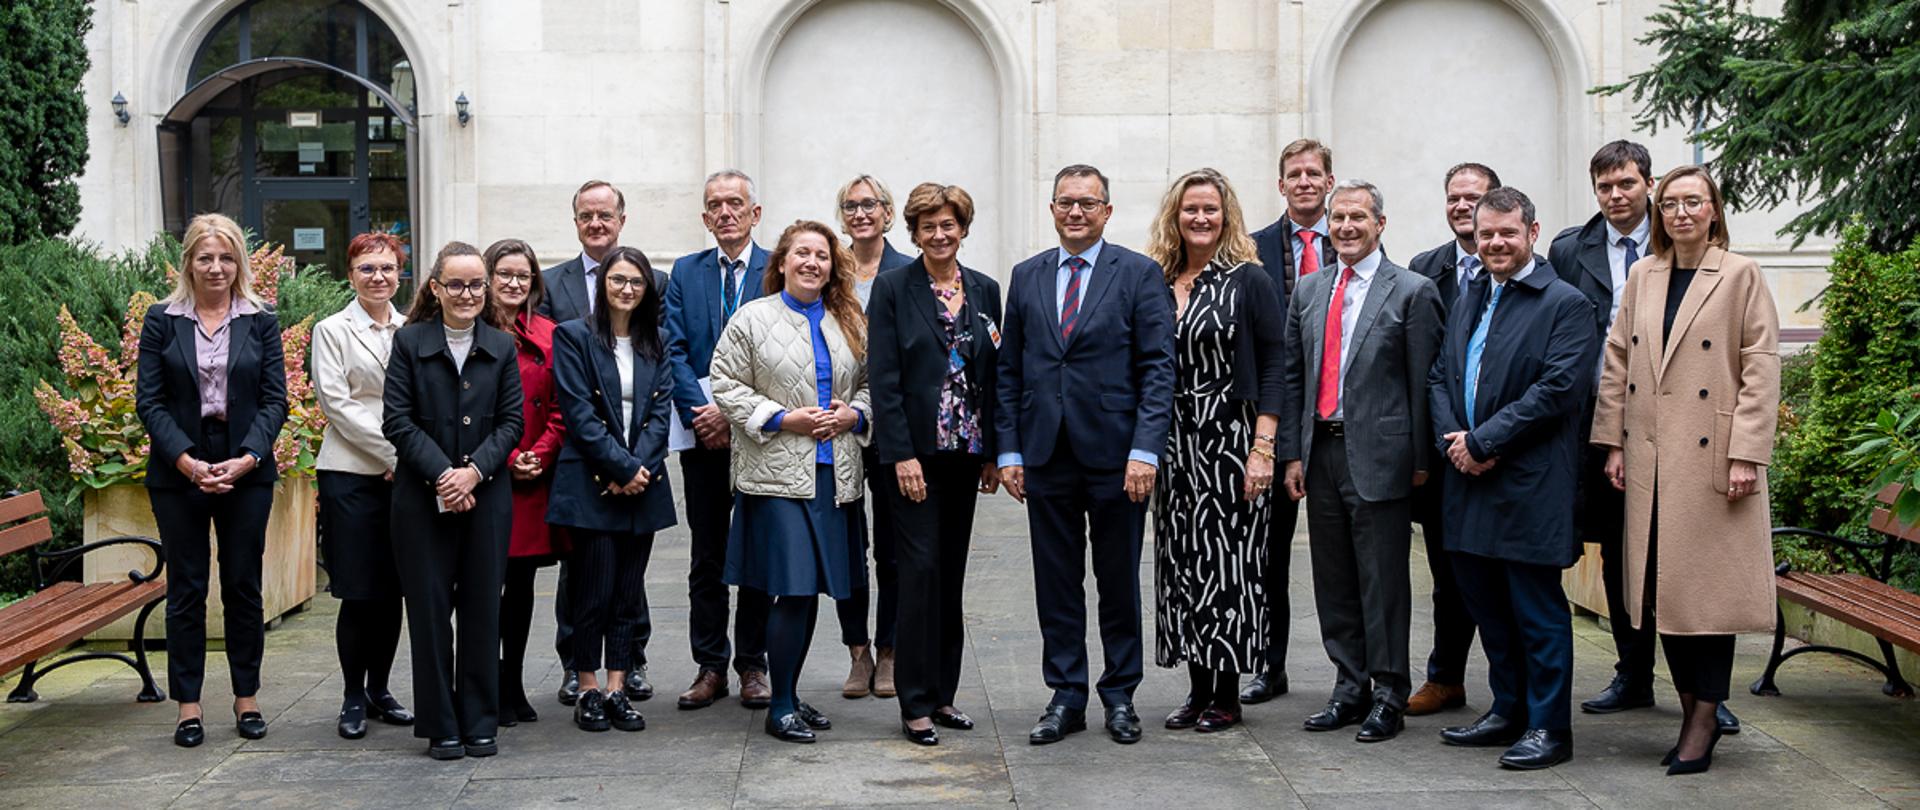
830	111
298	121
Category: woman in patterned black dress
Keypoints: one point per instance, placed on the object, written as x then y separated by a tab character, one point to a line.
1212	503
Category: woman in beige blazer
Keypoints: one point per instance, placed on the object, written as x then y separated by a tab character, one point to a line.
790	375
1687	406
356	462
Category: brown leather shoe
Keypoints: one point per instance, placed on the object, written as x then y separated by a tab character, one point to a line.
1436	697
707	687
883	674
860	678
755	692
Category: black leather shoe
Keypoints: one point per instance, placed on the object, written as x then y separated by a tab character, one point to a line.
590	711
1265	686
569	688
1539	748
481	746
637	687
1122	724
190	733
1619	696
251	725
954	719
387	709
925	736
1186	716
446	748
1218	718
1383	723
789	728
353	721
1056	724
1724	719
1336	715
1683	767
812	716
621	714
1489	731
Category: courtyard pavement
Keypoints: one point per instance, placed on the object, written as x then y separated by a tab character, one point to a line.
1833	740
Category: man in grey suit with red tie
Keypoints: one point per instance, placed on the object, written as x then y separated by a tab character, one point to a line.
1355	439
1085	403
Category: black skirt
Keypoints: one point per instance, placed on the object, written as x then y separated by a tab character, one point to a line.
356	536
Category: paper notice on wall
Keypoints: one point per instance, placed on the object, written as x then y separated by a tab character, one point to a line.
309	238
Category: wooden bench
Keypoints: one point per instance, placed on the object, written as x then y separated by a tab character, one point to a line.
60	612
1869	604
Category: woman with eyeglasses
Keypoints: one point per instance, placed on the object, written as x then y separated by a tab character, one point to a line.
452	412
518	290
1687	403
610	489
356	464
866	214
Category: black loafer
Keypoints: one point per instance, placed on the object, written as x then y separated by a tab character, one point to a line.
480	746
446	748
1619	696
190	733
1122	724
1491	730
1537	749
353	721
1335	716
637	687
569	688
251	725
1724	719
1382	724
590	711
1056	724
955	719
388	710
621	713
812	717
789	728
1265	686
916	736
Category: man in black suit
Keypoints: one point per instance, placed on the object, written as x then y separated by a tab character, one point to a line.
1452	266
1295	245
1085	403
1507	395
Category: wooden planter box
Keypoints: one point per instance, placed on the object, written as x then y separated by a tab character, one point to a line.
1584	585
287	570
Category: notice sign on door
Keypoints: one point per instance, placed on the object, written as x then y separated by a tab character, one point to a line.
309	238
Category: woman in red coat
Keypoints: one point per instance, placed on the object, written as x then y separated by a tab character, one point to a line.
517	289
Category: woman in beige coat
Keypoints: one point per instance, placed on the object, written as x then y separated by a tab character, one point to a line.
1687	405
790	375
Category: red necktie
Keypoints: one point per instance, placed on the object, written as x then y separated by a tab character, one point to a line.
1309	255
1070	303
1329	400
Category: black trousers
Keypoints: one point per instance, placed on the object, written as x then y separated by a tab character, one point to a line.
239	519
454	569
1528	636
609	595
709	498
853	612
563	621
1360	581
1602	512
932	537
1279	607
1453	628
1070	507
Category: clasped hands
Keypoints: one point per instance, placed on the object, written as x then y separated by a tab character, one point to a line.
1462	458
822	424
455	487
710	427
215	478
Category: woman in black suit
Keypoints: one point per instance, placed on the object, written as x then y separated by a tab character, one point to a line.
212	393
452	412
610	485
934	352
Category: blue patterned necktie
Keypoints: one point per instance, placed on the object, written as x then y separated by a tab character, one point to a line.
1070	304
1470	267
1633	254
1475	346
730	296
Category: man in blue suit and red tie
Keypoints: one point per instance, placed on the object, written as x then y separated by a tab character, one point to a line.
1085	402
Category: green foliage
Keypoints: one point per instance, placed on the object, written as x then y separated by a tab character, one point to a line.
1815	104
310	292
43	133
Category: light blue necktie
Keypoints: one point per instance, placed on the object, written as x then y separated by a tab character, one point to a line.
1475	346
1471	267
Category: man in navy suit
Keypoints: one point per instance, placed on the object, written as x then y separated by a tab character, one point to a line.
1507	395
1295	245
706	289
1085	402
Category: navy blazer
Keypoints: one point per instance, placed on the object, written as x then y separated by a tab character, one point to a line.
439	416
1109	388
566	295
1535	375
167	395
694	319
601	448
1579	254
907	359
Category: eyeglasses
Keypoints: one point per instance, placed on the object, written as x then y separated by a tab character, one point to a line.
371	270
590	217
866	206
734	204
469	289
626	283
1691	204
1088	204
514	279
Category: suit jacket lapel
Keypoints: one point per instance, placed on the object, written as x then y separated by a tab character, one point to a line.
1096	287
713	280
1377	292
1705	279
1593	258
183	343
920	296
1316	334
1050	292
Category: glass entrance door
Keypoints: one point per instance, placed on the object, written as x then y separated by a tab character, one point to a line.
313	220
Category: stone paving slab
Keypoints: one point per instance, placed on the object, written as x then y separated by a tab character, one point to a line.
1832	741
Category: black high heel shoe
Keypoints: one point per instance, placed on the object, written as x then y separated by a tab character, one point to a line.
917	736
1672	754
190	733
1683	767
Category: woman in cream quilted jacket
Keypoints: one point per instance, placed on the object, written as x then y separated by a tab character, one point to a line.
790	374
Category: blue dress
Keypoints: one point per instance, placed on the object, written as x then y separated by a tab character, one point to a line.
790	546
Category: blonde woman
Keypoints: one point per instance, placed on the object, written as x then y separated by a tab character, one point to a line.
1211	507
212	394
